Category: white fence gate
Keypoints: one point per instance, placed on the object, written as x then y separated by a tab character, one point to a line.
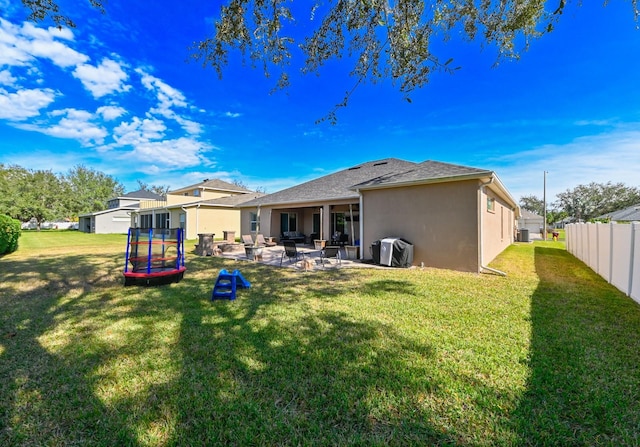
611	250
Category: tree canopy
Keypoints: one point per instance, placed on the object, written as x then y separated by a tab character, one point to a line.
42	195
532	203
586	202
384	39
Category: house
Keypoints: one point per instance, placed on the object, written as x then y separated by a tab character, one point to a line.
117	217
456	217
631	214
530	221
206	207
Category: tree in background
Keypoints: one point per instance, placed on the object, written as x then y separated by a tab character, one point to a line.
532	203
161	190
89	190
44	196
41	195
586	202
395	40
10	178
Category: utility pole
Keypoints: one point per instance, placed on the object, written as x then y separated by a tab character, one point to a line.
544	206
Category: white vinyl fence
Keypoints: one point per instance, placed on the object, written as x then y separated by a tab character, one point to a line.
611	250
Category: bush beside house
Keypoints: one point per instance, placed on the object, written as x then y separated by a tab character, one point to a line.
9	234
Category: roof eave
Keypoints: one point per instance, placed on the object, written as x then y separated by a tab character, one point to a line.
428	181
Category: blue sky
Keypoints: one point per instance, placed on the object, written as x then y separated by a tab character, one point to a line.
119	95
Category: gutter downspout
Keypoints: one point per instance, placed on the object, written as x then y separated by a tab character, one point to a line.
197	218
186	225
361	223
481	228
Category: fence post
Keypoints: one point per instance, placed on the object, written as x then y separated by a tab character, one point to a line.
610	252
598	247
633	243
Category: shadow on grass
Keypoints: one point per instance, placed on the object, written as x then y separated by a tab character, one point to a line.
84	360
584	361
46	398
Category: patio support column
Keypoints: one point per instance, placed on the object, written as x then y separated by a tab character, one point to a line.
325	221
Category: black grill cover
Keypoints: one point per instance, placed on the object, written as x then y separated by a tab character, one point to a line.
401	256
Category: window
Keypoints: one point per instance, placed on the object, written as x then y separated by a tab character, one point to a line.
338	223
162	220
288	222
196	193
183	220
253	218
491	204
145	221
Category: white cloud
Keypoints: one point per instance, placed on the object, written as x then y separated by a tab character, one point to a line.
611	156
139	131
173	154
167	96
106	78
233	115
6	78
109	113
73	124
20	46
24	104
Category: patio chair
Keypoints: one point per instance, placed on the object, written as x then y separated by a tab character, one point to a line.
261	241
290	251
330	251
247	239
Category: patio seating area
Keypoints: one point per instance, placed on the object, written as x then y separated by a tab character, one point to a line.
309	258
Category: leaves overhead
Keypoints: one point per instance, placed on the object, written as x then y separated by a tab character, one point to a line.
384	39
43	9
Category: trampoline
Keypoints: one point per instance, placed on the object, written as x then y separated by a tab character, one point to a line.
154	256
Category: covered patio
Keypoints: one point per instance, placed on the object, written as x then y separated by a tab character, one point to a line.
309	259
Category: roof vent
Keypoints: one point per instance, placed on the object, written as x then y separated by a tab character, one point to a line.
380	164
354	168
205	180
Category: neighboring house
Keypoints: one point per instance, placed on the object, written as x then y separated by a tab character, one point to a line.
456	217
117	217
530	221
204	208
631	214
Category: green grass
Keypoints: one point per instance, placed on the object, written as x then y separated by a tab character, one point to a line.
549	355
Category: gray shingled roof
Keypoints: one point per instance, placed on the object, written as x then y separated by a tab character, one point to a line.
526	214
230	201
334	186
423	172
214	184
142	194
626	215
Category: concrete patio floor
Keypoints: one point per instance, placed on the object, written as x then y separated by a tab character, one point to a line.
309	261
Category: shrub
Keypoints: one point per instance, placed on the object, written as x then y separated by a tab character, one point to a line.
9	234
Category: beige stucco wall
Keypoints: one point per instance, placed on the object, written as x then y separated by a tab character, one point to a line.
498	227
440	220
210	220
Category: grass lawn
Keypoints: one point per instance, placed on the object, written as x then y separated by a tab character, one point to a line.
549	355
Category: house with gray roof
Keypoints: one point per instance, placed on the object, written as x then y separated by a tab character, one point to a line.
630	214
117	217
207	207
531	221
456	217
